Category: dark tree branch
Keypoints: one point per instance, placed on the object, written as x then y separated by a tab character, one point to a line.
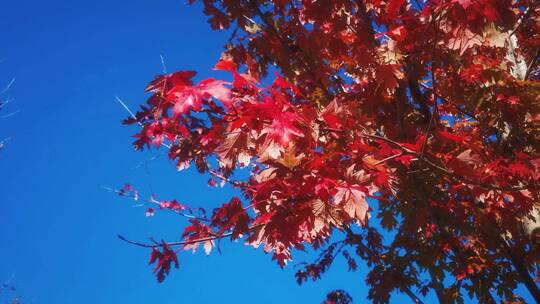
210	238
306	60
521	269
532	63
199	240
353	238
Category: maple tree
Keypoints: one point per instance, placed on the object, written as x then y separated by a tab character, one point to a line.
409	131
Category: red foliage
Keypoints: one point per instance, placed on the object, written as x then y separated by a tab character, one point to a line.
423	114
163	260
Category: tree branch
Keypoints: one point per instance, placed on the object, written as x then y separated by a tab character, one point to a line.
353	238
305	57
519	265
525	15
140	244
209	238
155	202
532	63
433	165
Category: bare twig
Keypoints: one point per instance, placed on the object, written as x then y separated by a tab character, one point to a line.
145	162
154	202
135	117
388	158
128	110
10	114
8	86
163	64
3	142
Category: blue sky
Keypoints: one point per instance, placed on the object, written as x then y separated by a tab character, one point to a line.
58	227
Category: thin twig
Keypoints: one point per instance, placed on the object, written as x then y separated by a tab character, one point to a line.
135	117
388	158
471	115
446	171
227	180
3	142
145	163
163	64
433	165
155	202
209	238
10	114
128	110
8	86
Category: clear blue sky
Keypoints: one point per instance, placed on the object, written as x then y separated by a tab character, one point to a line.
58	227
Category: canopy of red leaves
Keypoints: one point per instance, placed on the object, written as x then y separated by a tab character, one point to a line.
424	116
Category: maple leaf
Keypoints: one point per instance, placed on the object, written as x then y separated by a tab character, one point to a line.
239	80
172	204
495	38
393	6
449	136
326	215
337	297
388	74
472	73
465	162
519	169
264	218
231	216
271	150
177	79
226	65
464	3
469	157
232	146
463	39
353	201
289	160
217	89
163	260
194	233
282	130
331	114
490	12
185	100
